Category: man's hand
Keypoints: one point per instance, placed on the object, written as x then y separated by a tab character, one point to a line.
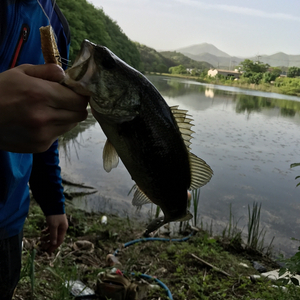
35	108
53	235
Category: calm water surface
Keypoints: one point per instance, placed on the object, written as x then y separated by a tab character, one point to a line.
248	138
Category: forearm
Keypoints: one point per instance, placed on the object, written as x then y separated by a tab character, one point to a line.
45	181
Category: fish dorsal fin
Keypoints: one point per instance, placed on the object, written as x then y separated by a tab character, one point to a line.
139	197
184	124
110	157
201	172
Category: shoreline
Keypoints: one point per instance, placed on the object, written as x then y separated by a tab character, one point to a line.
266	87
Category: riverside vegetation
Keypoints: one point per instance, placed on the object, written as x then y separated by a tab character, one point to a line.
202	267
254	75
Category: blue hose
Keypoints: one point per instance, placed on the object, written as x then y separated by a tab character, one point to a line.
161	284
154	239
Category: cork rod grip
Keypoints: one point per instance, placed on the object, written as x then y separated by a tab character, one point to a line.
49	47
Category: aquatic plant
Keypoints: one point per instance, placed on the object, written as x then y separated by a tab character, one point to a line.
295	165
256	236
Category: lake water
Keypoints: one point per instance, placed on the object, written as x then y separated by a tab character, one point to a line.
249	139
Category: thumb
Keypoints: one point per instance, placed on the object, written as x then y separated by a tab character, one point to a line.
50	72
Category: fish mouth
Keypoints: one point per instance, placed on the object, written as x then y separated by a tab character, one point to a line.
79	76
82	61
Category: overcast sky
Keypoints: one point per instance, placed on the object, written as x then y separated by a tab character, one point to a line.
239	28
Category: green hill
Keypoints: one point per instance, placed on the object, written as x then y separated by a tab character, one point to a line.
153	61
181	59
88	22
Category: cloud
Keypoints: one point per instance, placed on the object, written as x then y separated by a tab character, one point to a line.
240	10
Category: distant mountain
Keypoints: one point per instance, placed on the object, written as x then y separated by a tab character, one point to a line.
218	62
219	59
280	59
202	48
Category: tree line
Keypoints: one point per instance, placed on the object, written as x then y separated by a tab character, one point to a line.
258	72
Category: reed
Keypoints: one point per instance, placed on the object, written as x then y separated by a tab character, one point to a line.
231	231
195	203
256	236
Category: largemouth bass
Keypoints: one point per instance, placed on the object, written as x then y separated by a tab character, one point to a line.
151	138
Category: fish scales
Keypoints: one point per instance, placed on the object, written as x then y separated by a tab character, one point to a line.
152	150
151	138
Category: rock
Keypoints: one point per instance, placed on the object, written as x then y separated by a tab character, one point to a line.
260	268
84	246
111	261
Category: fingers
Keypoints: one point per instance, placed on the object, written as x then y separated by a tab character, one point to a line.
43	84
50	72
38	106
53	236
65	98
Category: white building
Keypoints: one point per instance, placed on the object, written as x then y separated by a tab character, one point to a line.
226	73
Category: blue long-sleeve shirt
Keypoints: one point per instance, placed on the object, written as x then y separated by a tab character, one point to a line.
20	45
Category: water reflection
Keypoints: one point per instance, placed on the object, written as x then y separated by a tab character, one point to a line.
249	140
209	93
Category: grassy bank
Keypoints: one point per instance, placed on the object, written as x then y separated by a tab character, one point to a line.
286	86
202	267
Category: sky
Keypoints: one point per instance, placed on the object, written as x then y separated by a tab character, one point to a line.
239	28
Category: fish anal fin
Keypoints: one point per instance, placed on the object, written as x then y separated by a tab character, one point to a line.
139	198
201	172
110	157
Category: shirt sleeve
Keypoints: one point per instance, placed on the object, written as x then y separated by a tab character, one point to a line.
46	183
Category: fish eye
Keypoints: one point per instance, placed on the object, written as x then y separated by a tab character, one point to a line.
108	62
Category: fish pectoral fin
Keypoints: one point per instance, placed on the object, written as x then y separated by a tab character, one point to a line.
110	157
139	198
201	172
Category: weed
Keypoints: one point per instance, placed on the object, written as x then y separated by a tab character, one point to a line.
292	265
28	270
